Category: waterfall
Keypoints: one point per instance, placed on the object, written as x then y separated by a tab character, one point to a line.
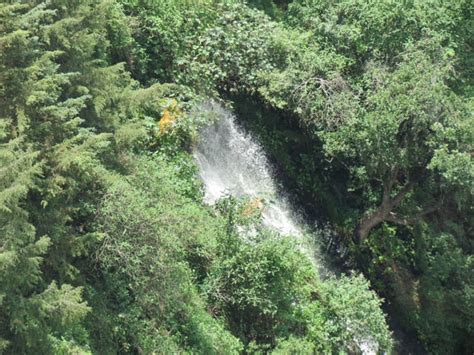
232	162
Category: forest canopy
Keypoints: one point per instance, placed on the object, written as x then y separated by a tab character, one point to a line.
106	243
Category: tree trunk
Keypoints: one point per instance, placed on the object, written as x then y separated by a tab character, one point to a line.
384	211
366	224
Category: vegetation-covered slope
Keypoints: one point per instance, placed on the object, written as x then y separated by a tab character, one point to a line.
105	244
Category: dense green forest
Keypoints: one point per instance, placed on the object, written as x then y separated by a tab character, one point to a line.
106	245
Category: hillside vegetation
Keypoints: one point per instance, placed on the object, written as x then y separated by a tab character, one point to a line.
106	245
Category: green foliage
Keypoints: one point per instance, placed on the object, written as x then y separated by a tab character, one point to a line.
364	31
307	81
162	31
446	284
203	45
157	241
393	132
33	315
274	9
269	294
59	108
105	245
256	286
381	86
351	314
229	54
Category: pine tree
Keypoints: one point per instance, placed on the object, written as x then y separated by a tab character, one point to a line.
42	146
32	315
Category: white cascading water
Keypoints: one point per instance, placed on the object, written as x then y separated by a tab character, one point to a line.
231	162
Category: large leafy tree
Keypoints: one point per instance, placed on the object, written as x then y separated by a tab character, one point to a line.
396	135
